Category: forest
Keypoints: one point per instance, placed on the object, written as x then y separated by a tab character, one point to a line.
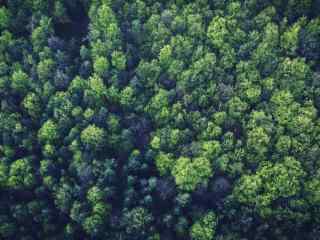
160	119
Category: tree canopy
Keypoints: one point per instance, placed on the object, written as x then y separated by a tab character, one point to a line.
160	119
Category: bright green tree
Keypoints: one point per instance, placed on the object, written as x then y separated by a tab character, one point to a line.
21	174
205	227
48	132
93	136
189	173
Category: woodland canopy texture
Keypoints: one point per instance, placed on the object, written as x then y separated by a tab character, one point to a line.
160	119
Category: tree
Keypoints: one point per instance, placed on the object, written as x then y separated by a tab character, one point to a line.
290	38
212	132
92	225
309	39
299	74
138	222
296	9
284	145
218	32
95	195
104	30
118	60
271	182
189	173
164	163
236	107
4	18
284	106
96	91
64	197
93	136
127	97
21	174
165	56
20	81
41	34
45	69
204	228
265	55
158	106
101	66
48	133
141	117
211	149
32	104
78	212
60	12
258	141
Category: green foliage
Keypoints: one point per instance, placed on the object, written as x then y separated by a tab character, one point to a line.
189	173
101	66
104	30
48	132
258	141
290	38
139	219
95	195
204	228
218	32
60	12
310	39
155	143
312	187
32	105
93	136
237	107
21	174
92	224
4	18
118	60
141	120
45	68
211	149
41	33
271	182
20	81
127	97
164	163
64	197
97	89
165	56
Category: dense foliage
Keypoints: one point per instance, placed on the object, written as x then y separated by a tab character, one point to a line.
160	119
